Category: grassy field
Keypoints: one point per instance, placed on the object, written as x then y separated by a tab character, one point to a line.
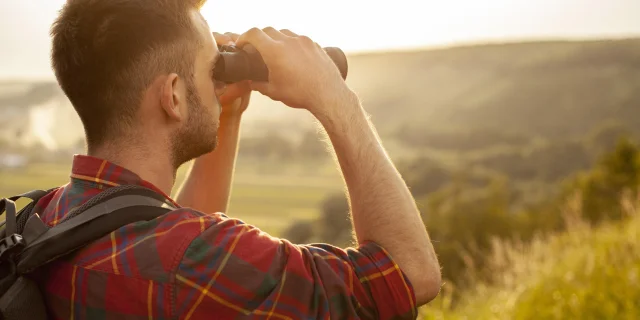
268	201
584	273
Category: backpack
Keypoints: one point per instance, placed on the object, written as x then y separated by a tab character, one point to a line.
27	243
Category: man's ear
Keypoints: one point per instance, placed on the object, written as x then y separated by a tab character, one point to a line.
173	97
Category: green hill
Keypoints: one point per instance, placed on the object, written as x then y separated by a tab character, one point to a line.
537	88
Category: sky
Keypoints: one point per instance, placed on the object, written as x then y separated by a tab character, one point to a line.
353	25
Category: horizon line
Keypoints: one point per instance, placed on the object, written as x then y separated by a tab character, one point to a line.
422	48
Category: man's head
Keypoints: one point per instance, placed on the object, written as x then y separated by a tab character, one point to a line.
139	72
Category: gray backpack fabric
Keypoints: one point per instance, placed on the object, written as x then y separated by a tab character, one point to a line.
27	243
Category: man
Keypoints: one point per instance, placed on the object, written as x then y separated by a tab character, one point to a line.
138	72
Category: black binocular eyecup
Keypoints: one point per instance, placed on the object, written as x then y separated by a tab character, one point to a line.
235	64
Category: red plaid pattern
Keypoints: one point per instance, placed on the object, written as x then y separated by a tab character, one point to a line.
193	265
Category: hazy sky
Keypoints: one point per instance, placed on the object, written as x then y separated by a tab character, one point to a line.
354	25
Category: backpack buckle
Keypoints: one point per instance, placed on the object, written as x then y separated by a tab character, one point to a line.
11	245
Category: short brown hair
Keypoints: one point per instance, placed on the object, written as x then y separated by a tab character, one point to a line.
105	53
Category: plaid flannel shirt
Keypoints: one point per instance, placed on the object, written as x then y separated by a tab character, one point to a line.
193	265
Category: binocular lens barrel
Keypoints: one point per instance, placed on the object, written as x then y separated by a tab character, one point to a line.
235	65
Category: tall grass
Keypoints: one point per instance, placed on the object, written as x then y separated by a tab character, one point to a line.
584	273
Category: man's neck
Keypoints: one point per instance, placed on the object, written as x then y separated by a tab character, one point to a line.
154	167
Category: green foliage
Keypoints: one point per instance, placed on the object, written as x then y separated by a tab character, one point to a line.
278	147
334	220
550	162
558	160
299	232
615	174
547	261
311	148
464	224
423	175
598	279
584	273
333	225
272	146
606	135
462	228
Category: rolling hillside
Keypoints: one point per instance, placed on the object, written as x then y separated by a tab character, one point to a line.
539	88
549	88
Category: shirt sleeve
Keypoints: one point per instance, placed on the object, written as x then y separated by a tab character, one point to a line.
232	269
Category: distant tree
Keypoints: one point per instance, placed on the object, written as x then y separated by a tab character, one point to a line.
332	226
334	219
615	173
299	232
605	136
459	140
271	146
512	163
551	162
311	148
279	146
423	175
558	160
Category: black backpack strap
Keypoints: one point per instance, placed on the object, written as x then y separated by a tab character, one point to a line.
100	216
16	223
34	195
10	215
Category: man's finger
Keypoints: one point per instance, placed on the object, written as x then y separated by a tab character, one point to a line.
275	34
288	33
257	38
233	36
293	34
222	39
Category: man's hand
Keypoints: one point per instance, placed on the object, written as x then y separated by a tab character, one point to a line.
301	74
383	210
235	97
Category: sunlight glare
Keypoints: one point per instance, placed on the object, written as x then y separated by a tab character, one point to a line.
356	25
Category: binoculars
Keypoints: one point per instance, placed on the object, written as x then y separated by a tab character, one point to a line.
235	64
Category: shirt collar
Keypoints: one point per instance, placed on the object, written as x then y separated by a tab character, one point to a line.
105	173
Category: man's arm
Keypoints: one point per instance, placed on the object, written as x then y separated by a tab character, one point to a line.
207	185
302	76
382	208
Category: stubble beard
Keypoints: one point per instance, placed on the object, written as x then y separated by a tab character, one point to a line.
199	135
